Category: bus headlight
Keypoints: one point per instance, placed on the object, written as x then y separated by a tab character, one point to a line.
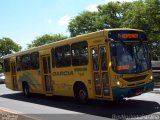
119	83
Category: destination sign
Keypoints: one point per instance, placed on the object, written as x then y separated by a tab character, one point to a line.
127	35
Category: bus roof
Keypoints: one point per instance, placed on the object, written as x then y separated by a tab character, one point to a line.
65	41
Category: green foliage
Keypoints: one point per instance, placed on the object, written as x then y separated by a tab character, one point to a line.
45	39
139	14
83	23
145	15
8	46
108	16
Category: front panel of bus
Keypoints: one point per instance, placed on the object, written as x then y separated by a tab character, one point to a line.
130	63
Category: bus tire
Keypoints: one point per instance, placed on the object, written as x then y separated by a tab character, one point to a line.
26	91
81	94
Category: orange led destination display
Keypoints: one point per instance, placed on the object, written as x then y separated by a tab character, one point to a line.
128	36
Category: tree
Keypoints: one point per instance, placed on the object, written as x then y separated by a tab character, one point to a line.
145	15
45	39
8	46
153	12
83	23
139	14
108	16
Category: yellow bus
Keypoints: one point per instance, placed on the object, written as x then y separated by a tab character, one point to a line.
110	64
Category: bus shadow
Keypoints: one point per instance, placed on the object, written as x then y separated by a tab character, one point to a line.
128	109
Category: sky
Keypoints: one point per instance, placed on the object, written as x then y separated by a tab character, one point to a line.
25	20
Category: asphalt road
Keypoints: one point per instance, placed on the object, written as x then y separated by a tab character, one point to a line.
146	106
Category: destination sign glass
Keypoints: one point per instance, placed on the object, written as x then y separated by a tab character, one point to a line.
127	35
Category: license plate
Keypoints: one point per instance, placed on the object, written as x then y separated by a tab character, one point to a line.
139	92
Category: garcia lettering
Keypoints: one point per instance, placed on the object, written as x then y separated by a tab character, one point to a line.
62	73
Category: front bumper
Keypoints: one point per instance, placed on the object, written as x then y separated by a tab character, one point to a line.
120	93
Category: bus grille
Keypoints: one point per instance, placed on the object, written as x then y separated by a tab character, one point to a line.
137	78
137	84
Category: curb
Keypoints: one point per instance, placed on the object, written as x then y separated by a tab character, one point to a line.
7	114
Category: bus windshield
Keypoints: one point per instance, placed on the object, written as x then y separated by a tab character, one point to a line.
128	58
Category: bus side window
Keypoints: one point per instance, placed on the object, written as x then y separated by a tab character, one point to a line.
7	65
18	63
26	62
80	53
103	53
63	56
95	58
58	56
53	57
35	60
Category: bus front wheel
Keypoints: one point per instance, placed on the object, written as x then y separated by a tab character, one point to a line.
26	91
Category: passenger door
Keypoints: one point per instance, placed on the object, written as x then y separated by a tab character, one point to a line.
13	75
46	63
100	71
